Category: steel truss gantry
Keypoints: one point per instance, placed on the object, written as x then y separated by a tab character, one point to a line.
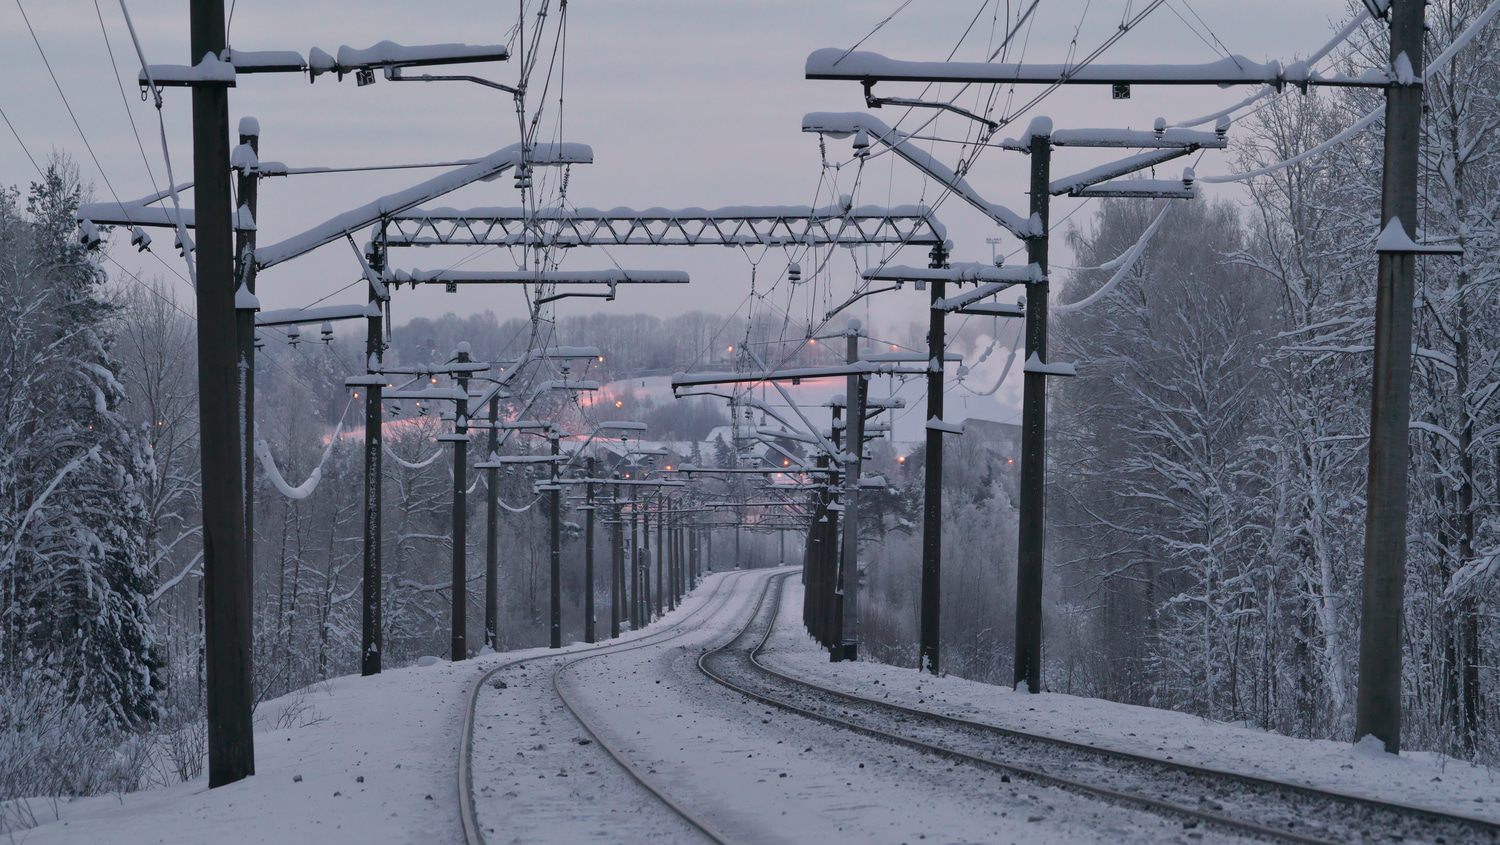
779	225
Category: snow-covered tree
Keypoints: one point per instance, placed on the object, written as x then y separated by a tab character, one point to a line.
75	568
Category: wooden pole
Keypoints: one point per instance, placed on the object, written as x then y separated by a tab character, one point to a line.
554	497
460	645
588	555
492	535
932	484
227	595
1031	546
371	602
1378	704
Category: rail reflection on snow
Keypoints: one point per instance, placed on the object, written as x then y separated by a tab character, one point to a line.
1227	801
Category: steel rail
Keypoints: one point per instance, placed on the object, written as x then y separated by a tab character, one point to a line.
468	812
1159	807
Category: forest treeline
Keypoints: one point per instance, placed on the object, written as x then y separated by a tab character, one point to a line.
1205	503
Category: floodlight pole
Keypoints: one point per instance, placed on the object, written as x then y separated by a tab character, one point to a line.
932	485
1032	543
371	601
555	500
227	600
460	647
492	533
588	555
1378	703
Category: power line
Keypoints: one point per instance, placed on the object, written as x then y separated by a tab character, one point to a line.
120	83
66	104
22	143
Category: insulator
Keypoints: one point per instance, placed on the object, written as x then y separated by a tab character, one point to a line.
794	273
140	239
293	334
327	331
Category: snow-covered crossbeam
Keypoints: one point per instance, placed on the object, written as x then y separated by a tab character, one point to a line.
436	369
390	54
451	394
1394	240
1035	365
843	124
739	225
392	204
865	66
1166	138
1173	189
971	271
223	69
1113	170
525	277
142	213
325	313
501	460
796	375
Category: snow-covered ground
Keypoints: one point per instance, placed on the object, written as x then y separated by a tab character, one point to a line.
1419	778
362	760
352	760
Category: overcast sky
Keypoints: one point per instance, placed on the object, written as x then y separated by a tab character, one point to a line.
685	103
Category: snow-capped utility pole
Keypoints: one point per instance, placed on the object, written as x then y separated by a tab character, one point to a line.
932	486
661	548
1378	705
1031	545
492	535
616	562
856	386
632	566
371	645
460	438
554	501
588	554
226	571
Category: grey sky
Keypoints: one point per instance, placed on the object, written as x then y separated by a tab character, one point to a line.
685	102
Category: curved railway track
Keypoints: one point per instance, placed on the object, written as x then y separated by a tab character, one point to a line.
469	815
1241	804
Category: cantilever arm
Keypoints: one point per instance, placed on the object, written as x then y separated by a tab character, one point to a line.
840	124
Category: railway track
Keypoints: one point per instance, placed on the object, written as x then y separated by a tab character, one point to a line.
1235	803
469	816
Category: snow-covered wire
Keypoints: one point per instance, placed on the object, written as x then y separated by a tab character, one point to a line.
1130	259
1356	128
1433	67
408	464
1342	36
306	488
1009	360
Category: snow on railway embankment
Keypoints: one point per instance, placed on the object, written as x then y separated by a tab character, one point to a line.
1418	778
